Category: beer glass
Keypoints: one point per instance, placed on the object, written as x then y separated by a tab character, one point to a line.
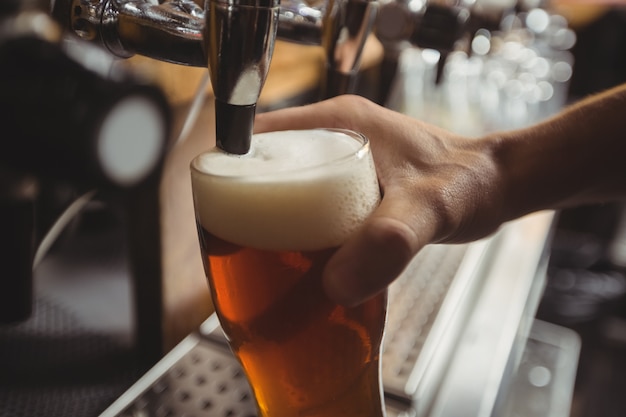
268	221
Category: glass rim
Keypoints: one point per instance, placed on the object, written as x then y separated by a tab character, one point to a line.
358	153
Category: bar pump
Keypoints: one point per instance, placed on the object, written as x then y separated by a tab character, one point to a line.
235	39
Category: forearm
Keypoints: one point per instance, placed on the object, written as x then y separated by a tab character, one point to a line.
577	157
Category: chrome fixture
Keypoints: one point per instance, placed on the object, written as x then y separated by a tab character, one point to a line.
234	38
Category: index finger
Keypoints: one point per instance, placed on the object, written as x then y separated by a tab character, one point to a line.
338	112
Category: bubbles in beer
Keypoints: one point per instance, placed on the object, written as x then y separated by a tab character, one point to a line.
284	194
269	222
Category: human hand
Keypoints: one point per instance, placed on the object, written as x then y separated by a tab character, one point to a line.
437	187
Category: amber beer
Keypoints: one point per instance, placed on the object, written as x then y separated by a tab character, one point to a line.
268	222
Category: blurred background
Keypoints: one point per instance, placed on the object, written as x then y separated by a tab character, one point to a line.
109	276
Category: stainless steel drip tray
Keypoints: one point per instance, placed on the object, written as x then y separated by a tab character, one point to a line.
199	377
456	313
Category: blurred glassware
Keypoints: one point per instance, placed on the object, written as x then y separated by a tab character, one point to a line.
499	79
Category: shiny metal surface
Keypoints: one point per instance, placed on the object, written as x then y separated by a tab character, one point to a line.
346	26
459	318
201	377
171	31
235	38
197	377
491	343
240	42
437	277
544	382
301	22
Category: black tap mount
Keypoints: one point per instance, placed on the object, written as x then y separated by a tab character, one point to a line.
68	115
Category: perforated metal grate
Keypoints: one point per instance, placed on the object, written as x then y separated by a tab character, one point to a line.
414	302
202	378
206	381
51	366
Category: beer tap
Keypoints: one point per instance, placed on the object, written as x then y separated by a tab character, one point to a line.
234	38
341	27
240	41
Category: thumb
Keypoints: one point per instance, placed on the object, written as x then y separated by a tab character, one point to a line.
374	256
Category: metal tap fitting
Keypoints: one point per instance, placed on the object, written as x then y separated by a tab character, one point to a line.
234	38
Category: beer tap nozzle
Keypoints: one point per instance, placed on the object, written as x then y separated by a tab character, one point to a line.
240	35
233	38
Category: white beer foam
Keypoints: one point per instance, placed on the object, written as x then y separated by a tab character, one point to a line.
283	194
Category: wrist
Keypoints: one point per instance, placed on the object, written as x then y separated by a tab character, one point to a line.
519	167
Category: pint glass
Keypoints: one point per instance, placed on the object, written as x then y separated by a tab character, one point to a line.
268	221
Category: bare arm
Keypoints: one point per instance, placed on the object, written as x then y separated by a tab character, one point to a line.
577	157
441	187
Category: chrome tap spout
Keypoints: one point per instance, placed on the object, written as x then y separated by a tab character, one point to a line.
170	31
240	37
233	38
175	30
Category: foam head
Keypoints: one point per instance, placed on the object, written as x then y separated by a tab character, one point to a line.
294	190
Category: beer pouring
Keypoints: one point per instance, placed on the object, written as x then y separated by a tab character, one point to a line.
235	39
241	38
